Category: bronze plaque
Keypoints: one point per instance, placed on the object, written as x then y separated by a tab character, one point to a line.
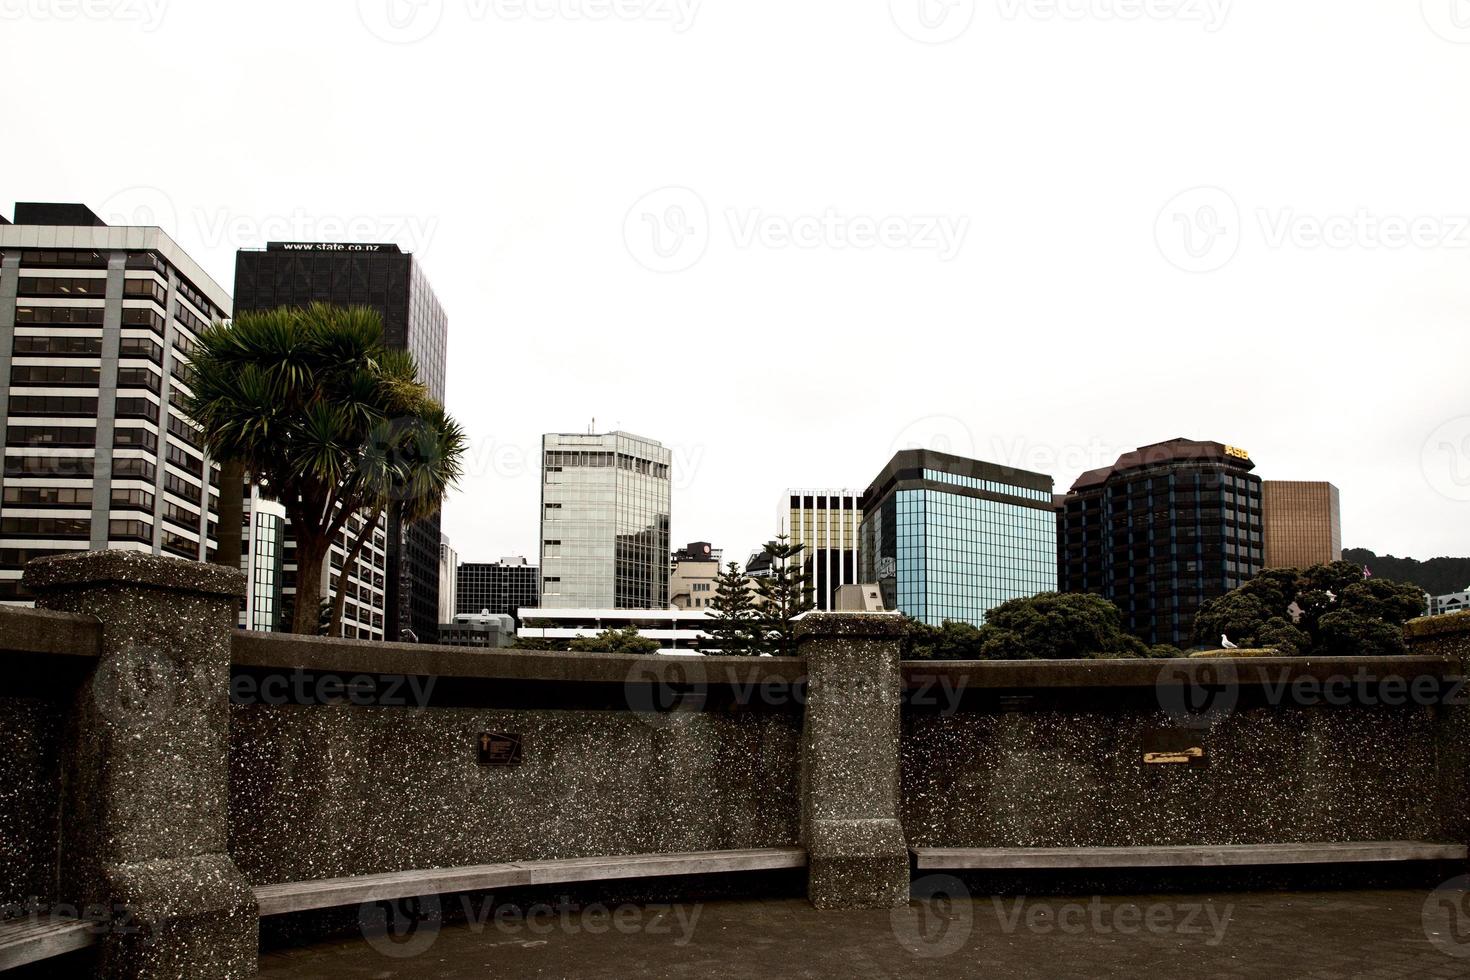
1175	747
499	749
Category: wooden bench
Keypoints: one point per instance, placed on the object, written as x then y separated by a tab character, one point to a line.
1187	856
41	937
300	896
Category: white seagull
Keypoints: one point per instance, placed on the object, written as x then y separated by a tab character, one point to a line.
1225	642
1331	596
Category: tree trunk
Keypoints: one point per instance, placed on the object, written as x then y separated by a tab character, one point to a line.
339	598
310	554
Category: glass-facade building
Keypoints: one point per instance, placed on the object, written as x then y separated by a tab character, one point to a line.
604	522
1161	531
97	324
500	588
399	596
950	538
827	524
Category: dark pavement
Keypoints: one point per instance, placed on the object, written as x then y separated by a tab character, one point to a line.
1384	933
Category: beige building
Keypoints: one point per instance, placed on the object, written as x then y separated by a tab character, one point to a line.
1302	523
827	523
692	580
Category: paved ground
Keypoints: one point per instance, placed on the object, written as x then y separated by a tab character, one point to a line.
1390	933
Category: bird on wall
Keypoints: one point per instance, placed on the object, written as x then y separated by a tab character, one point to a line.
1225	642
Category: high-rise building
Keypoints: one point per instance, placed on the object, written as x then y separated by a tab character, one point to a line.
1161	531
827	524
262	559
393	283
604	522
501	588
1303	523
96	326
950	538
448	573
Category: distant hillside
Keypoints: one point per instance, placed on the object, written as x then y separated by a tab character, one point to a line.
1438	576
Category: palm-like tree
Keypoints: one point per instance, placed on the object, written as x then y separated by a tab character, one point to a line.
310	402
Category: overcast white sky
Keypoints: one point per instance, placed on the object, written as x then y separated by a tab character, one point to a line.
787	239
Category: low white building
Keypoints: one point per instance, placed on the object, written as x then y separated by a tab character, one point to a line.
676	630
1452	603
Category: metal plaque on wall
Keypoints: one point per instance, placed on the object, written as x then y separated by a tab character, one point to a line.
499	749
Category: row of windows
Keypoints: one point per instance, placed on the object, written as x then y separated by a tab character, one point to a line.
48	496
53	406
62	286
89	315
67	436
991	486
64	258
58	345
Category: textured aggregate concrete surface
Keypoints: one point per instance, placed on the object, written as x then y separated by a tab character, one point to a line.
1323	935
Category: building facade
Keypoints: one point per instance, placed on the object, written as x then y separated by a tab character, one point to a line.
489	631
393	283
604	522
950	538
500	588
263	560
693	579
448	574
827	523
1454	602
1161	531
676	630
96	327
1302	523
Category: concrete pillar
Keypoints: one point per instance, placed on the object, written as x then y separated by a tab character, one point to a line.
146	802
1449	636
849	769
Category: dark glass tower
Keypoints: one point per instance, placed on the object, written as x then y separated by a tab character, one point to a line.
390	281
1163	529
950	538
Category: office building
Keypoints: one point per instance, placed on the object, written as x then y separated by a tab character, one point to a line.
1161	531
1454	602
676	630
96	326
694	579
499	587
263	560
950	538
484	630
604	522
1302	523
827	524
448	572
393	283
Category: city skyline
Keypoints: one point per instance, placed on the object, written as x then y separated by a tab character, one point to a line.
1049	273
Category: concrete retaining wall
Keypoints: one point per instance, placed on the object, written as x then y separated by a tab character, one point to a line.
187	761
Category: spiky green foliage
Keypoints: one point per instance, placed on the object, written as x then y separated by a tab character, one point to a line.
735	624
782	596
313	405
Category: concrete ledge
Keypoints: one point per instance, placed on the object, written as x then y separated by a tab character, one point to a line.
336	655
1189	856
300	896
1428	626
44	632
36	938
91	568
1248	671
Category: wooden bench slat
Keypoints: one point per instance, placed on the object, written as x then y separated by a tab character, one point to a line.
298	896
1184	856
34	938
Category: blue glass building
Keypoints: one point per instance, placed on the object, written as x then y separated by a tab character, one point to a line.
949	538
